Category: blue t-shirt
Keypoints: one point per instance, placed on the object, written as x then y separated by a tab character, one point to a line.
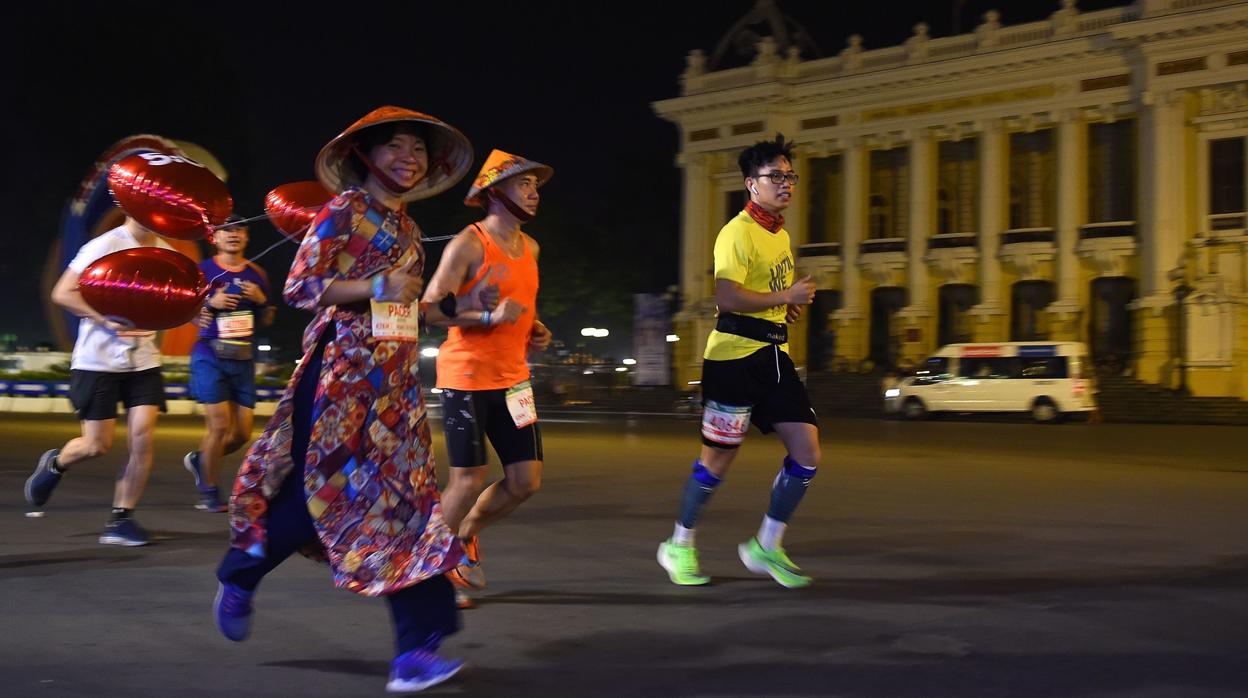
238	324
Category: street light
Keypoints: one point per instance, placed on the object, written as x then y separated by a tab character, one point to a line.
673	338
1181	292
429	352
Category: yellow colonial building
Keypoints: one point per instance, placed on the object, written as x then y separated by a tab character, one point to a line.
1079	178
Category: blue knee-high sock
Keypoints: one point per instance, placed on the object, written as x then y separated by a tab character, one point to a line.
788	489
698	489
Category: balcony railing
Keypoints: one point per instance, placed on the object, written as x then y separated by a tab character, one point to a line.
819	249
1010	237
1228	223
951	240
882	245
1109	229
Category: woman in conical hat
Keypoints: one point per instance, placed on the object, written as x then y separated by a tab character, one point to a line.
345	468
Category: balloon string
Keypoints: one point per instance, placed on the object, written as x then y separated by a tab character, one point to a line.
234	224
266	250
285	238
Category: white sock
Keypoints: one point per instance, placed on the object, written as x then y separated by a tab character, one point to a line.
771	533
682	535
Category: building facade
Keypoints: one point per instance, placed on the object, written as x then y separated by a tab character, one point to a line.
1081	178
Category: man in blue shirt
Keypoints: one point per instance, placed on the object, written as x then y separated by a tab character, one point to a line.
223	365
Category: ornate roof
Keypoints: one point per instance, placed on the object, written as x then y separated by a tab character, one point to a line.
740	44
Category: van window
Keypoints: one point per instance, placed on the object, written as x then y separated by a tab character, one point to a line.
995	367
1042	367
934	370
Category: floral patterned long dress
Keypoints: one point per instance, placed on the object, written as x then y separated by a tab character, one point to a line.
369	475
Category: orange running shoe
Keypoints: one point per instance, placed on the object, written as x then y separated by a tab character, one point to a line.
468	574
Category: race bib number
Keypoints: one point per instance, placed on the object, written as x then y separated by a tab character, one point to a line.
521	404
725	424
395	322
236	325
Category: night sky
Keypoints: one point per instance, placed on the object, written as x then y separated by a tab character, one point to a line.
263	86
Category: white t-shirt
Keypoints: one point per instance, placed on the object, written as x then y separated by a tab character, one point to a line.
98	348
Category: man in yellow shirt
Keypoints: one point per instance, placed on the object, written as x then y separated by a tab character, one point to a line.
747	375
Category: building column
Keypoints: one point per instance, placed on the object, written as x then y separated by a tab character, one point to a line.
687	353
851	328
1071	205
993	178
919	330
1161	170
1161	167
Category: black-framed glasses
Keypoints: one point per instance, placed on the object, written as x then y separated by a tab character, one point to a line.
778	178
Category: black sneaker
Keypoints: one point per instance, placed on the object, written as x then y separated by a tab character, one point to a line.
40	484
123	532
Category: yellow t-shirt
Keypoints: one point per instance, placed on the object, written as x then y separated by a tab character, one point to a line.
761	261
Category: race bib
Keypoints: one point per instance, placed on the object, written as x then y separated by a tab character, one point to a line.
236	325
395	322
135	334
521	404
725	424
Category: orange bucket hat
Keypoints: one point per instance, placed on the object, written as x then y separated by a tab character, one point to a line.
499	166
450	154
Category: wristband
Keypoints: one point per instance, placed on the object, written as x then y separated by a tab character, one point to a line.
379	286
485	318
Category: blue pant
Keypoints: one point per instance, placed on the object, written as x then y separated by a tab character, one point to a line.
423	613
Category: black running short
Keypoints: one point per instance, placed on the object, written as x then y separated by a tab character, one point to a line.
95	394
765	382
470	416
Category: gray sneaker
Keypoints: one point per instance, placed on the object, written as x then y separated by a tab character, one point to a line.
40	484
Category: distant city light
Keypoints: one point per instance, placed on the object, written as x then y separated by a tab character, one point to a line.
629	362
673	338
436	391
265	347
695	382
587	372
601	332
429	352
621	369
588	331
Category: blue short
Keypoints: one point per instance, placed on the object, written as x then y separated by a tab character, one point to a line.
216	380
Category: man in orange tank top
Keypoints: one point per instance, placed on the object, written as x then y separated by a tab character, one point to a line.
483	367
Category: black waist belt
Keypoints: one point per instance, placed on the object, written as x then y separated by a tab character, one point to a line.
753	328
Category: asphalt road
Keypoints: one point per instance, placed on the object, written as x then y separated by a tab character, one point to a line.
951	558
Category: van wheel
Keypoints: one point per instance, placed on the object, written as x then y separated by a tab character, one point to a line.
913	408
1044	411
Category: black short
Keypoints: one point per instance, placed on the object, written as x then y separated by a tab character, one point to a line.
95	394
766	382
469	416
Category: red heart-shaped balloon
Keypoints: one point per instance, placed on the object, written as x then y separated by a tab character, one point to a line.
171	195
291	207
150	288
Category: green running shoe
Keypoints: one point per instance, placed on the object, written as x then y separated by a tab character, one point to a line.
772	562
681	563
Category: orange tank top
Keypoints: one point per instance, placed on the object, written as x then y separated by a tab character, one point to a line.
490	358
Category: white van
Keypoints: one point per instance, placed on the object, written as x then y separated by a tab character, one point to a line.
1047	379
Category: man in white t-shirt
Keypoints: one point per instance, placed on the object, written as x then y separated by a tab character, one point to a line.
111	364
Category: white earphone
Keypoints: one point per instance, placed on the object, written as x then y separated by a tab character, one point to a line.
753	188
